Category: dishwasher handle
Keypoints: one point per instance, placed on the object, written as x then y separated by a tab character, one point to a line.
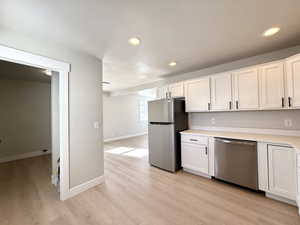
236	142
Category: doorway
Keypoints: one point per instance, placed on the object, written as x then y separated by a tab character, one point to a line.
60	118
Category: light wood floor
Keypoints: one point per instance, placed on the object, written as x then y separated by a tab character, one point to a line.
134	193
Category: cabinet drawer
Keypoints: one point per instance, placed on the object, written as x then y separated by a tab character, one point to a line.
194	139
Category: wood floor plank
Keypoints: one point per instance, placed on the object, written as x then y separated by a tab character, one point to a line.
134	193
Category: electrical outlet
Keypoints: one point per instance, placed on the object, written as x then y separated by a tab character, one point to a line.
288	123
213	121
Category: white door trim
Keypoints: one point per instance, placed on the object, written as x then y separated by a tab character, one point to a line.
25	58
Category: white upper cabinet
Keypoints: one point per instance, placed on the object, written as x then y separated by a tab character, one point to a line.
221	92
197	94
272	86
246	89
293	81
162	92
176	90
282	171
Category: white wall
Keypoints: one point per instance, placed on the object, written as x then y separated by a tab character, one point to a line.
249	119
121	116
85	102
24	117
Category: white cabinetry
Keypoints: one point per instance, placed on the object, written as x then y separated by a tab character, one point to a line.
194	154
282	171
173	90
221	92
162	92
176	90
246	89
263	170
272	86
197	93
293	81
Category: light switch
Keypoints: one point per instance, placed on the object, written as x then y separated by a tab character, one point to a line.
96	125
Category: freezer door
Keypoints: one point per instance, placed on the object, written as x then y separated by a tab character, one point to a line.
162	151
161	111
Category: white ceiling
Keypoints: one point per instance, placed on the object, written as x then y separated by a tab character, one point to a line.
195	33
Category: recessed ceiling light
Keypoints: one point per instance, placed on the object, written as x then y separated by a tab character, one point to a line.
142	76
173	63
48	72
134	41
271	31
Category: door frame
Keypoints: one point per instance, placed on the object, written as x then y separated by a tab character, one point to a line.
25	58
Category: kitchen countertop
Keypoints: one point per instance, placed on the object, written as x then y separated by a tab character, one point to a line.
293	141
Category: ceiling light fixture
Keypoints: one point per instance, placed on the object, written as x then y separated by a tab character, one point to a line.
134	41
271	31
142	76
48	72
173	63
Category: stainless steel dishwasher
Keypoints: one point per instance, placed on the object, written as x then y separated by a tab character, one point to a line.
236	162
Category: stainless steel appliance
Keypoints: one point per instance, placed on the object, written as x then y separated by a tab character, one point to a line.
236	162
167	117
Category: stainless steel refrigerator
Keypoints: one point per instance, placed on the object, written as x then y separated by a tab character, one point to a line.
167	117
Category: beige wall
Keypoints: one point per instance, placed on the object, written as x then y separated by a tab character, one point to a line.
85	102
55	122
250	119
24	117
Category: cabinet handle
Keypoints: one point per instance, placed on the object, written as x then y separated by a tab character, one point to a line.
282	102
208	106
193	140
290	101
230	105
206	151
237	104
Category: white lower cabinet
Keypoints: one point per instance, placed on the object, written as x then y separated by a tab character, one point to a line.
195	157
282	171
194	154
277	171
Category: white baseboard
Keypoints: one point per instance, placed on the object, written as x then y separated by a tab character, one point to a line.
249	130
197	173
84	187
281	199
125	137
23	156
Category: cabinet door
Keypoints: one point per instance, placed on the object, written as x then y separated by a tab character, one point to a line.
293	81
176	90
246	89
272	86
194	157
221	92
162	92
197	95
282	171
